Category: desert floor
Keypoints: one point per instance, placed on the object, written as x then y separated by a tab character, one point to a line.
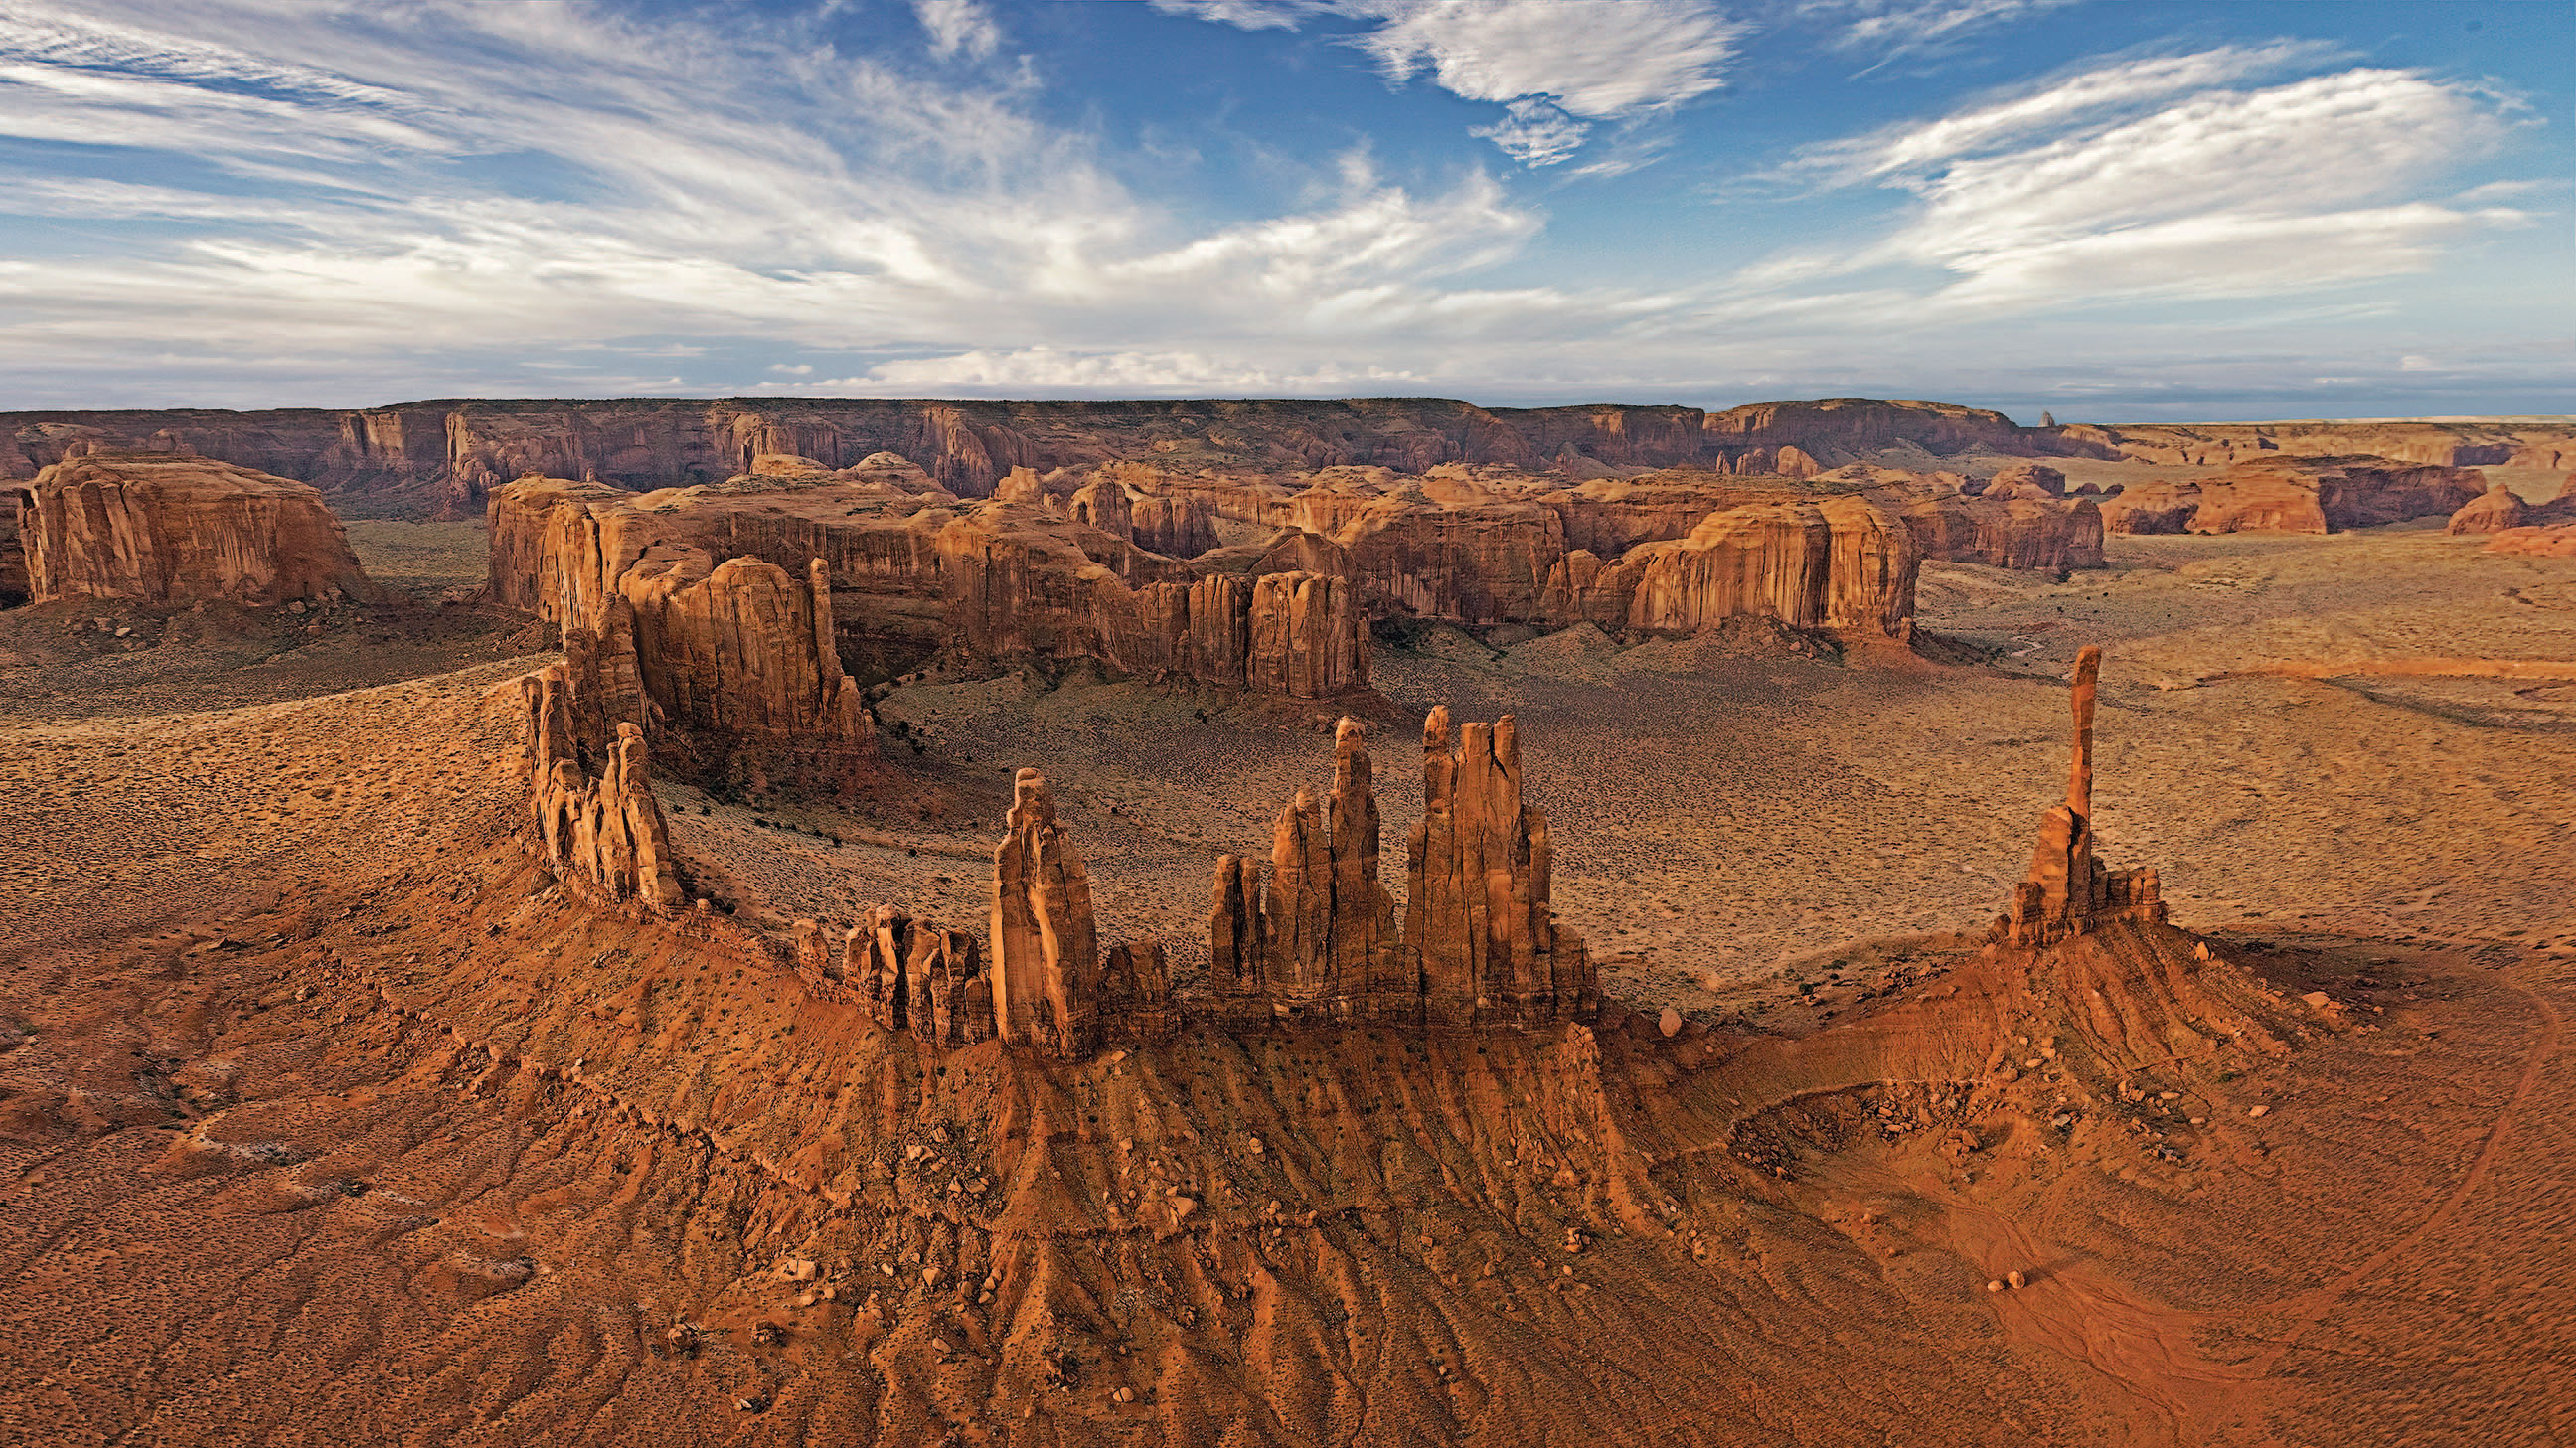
256	887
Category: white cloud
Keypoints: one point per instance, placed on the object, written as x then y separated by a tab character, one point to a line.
958	27
2156	178
1553	64
1052	370
1535	132
1892	28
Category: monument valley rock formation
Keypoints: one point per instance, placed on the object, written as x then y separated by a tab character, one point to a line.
2294	495
2500	508
2544	443
166	529
445	456
616	1044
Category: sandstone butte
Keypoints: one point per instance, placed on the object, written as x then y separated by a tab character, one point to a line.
165	529
443	456
2294	495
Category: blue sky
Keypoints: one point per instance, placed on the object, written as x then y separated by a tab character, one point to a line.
2113	209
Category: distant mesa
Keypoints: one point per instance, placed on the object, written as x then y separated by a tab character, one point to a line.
162	529
2295	495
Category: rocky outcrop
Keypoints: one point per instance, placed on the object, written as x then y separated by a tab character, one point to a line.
165	529
1841	563
2043	533
735	668
13	554
1479	942
596	818
2067	890
2558	541
2294	495
913	572
2498	509
1046	957
2492	511
908	975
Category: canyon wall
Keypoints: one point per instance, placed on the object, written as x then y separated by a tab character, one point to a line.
443	457
165	529
2548	443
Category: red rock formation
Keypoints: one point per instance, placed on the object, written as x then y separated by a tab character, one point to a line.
2439	444
2533	542
737	670
1839	562
1000	582
2492	511
2048	534
13	553
166	529
2293	495
606	827
2030	482
907	975
1480	942
2068	890
1046	958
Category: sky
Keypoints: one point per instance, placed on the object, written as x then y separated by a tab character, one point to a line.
2113	210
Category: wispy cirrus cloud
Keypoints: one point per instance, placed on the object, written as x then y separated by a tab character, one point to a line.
1556	66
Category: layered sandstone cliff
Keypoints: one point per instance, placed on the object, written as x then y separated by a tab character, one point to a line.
2499	508
2505	442
166	529
909	571
2294	495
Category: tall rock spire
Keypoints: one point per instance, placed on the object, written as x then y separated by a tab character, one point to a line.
2067	888
1045	953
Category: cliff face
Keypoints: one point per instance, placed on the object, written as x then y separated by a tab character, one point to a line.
443	457
170	529
2294	495
2498	509
2048	534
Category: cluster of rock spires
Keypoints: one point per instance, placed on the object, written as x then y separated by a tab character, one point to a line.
171	529
593	805
1480	942
2068	891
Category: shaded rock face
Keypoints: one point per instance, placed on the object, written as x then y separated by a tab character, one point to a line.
2312	495
595	815
909	975
1479	943
175	530
444	457
2044	533
2068	891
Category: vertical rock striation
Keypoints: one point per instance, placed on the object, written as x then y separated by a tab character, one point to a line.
168	529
